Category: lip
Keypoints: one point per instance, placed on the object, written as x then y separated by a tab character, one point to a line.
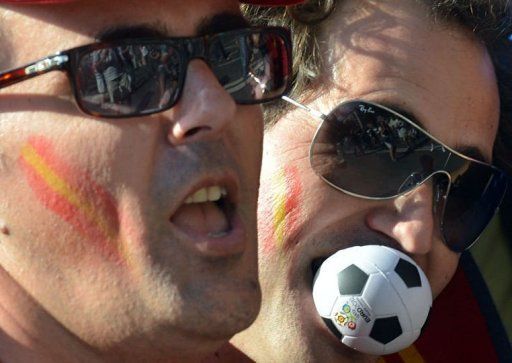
231	243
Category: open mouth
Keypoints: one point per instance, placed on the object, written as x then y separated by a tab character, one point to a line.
206	212
315	265
208	218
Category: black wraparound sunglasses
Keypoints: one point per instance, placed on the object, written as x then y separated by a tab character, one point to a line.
136	77
370	151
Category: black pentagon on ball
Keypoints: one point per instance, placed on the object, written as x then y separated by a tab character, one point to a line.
351	280
408	272
385	330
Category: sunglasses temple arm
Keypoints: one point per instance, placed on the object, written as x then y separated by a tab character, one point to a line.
34	69
316	114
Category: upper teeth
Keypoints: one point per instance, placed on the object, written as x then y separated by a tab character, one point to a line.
209	194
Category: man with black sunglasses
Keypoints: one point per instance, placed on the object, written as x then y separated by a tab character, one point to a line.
130	147
389	139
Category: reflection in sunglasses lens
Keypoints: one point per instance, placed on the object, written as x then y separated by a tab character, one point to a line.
369	151
472	202
133	79
147	76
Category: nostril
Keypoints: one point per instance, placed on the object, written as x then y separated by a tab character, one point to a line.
194	131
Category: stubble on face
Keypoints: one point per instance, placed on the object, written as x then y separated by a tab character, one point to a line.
386	52
107	188
71	194
284	200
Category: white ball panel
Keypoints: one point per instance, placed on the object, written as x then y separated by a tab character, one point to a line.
382	257
344	258
417	299
384	300
325	292
385	295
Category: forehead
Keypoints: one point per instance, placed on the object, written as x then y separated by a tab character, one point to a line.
391	52
69	25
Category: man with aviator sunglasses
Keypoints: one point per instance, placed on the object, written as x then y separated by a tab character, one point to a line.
130	147
395	122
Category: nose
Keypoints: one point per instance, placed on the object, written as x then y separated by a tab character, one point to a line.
204	110
407	219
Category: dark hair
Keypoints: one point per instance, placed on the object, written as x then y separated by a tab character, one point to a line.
489	20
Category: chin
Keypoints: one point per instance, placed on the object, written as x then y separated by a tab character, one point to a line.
224	308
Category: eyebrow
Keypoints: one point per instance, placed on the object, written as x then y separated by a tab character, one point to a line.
473	152
132	32
217	23
467	150
221	22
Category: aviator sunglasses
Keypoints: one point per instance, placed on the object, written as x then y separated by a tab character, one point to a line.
136	77
370	151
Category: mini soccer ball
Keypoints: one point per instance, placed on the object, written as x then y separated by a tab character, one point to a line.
373	298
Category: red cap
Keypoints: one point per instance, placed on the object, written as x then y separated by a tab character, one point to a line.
254	2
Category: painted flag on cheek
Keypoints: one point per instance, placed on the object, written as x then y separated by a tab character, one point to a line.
286	203
73	195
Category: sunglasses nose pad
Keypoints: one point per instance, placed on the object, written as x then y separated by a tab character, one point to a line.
441	184
410	182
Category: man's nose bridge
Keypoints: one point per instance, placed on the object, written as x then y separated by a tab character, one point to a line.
441	181
417	178
196	48
205	108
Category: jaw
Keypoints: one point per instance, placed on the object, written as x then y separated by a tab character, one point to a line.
289	327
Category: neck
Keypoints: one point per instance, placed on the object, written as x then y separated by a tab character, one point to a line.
29	333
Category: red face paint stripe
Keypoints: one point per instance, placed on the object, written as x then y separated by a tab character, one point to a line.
60	205
81	183
285	204
294	191
71	195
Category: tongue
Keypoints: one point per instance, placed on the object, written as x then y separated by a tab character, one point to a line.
201	218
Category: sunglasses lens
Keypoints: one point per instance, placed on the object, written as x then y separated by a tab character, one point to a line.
472	202
137	79
252	66
369	151
128	80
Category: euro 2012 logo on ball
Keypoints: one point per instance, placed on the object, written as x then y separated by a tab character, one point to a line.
345	317
373	298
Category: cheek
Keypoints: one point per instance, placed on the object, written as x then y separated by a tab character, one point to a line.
280	209
439	266
71	194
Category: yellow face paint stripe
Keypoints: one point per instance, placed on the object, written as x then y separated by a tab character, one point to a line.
62	188
280	208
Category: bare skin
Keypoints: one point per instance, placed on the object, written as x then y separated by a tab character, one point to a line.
390	53
104	261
